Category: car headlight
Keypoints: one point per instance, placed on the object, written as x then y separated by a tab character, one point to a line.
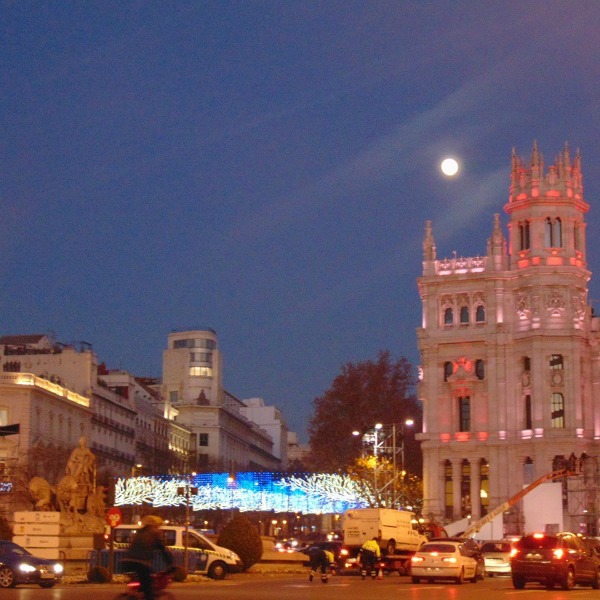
57	568
26	568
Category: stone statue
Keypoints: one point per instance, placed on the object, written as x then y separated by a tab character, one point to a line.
76	496
80	477
42	494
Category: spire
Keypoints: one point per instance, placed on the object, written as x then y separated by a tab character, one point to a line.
428	244
496	243
530	180
537	162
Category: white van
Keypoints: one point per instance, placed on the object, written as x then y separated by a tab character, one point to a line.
206	558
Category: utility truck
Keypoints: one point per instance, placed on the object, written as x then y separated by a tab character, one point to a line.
395	530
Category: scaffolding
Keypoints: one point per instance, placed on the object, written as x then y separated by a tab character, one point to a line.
581	498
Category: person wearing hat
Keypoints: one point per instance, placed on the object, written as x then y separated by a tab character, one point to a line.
140	553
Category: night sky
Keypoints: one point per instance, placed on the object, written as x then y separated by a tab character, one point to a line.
266	169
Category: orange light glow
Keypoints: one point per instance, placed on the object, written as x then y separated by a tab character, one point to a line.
462	436
552	193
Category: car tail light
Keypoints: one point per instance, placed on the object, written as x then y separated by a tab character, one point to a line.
344	552
513	552
450	559
558	553
538	536
417	559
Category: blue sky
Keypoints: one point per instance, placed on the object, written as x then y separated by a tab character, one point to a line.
266	168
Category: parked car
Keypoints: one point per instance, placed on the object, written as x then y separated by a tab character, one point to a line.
472	548
443	560
496	556
18	565
562	559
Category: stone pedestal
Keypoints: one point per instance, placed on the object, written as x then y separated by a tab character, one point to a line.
43	534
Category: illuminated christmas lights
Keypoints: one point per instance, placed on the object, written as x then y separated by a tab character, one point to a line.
278	492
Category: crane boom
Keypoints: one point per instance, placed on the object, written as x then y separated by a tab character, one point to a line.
475	527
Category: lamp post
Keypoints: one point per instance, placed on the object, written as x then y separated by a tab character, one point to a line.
187	491
405	423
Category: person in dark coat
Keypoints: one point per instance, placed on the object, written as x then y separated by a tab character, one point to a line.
319	559
140	553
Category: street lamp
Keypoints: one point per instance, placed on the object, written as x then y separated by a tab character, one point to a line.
187	490
405	423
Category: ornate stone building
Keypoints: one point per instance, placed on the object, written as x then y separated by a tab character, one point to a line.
510	378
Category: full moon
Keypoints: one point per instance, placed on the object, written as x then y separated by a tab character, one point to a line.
449	167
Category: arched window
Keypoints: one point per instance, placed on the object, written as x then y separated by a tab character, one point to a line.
577	236
465	488
553	231
557	233
448	316
524	235
484	478
447	370
464	413
558	411
548	233
480	313
556	361
464	314
479	369
449	490
528	418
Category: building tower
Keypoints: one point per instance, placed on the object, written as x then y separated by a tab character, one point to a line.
509	348
222	436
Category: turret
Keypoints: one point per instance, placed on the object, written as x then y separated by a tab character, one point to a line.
547	226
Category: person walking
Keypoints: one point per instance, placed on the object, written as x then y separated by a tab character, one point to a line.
369	556
318	560
140	553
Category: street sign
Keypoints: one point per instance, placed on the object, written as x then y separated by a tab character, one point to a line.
114	516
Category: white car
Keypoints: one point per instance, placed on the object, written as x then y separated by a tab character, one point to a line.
443	560
496	555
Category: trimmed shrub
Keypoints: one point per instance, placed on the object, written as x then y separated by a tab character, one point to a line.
178	573
99	575
241	536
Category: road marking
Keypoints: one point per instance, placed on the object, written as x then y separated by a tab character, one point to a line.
307	585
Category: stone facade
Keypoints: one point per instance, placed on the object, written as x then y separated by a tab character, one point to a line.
510	377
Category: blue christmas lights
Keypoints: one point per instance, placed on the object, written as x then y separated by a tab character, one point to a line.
307	493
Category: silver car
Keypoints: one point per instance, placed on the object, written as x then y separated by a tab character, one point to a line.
496	556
